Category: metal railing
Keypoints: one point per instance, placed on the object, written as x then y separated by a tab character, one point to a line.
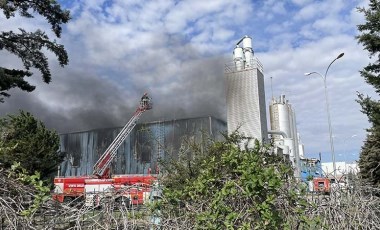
253	63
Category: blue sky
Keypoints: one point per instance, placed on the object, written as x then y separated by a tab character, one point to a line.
176	50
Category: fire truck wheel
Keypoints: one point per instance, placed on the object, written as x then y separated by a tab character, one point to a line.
68	199
123	201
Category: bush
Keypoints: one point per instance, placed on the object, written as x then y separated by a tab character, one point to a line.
228	187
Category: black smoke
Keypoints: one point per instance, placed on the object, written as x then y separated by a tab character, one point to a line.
79	100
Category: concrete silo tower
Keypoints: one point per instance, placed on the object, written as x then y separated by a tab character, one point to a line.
246	110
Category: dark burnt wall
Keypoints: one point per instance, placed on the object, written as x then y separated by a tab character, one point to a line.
141	150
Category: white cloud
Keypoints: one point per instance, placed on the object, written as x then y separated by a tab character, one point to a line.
301	2
307	12
329	25
190	11
222	34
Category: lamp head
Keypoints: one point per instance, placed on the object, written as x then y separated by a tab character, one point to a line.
340	55
307	74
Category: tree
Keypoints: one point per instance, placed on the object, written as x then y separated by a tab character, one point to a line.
226	187
24	139
369	161
29	46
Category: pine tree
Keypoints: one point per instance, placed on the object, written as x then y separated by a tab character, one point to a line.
25	140
30	46
369	162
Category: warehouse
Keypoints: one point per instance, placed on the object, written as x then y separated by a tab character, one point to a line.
140	152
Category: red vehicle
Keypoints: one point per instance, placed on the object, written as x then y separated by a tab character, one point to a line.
135	188
321	185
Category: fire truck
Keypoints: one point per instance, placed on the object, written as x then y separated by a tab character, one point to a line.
91	188
321	185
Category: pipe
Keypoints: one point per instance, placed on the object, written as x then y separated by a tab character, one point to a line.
241	40
283	134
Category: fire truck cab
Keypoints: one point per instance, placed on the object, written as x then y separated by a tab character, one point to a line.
321	185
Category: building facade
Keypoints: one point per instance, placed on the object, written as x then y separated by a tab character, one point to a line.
141	151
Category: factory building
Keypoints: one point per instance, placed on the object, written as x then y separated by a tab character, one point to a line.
282	118
284	130
246	108
140	152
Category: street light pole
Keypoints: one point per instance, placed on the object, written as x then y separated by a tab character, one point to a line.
328	110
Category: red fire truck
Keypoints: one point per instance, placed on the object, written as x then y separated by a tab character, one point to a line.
134	188
321	185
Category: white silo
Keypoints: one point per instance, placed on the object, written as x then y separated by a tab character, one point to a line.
238	56
248	51
245	93
283	118
280	116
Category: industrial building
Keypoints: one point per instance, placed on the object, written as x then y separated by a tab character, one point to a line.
284	129
246	108
311	168
342	168
140	152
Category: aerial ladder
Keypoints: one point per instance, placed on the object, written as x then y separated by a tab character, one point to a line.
101	167
69	188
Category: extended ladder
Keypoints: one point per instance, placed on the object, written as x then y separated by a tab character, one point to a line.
101	167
